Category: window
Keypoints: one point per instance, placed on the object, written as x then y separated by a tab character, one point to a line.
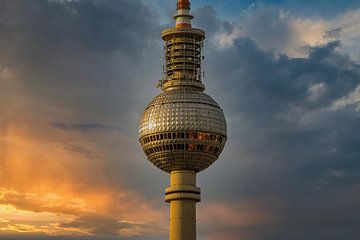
200	147
211	149
202	136
207	148
191	147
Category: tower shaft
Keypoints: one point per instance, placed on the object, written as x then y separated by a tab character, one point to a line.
182	194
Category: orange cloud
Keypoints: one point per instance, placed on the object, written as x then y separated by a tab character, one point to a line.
19	221
54	181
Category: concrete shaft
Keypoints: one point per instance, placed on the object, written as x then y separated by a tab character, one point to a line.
182	194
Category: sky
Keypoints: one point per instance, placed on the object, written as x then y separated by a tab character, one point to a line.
75	77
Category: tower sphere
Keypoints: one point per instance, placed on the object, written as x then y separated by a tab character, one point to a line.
183	129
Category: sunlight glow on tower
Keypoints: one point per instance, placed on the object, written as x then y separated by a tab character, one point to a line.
183	130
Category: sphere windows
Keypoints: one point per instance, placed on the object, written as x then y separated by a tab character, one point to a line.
182	147
203	136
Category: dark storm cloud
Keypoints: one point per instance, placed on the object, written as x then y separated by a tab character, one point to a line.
317	8
104	26
308	83
83	65
206	18
287	143
276	33
80	55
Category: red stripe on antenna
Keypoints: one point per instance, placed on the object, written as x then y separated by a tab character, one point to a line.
183	25
183	4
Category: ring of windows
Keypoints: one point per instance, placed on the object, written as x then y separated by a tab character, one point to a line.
184	135
183	147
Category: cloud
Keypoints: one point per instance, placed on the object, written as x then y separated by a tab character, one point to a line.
280	31
107	226
84	126
76	75
333	33
286	139
352	99
206	18
56	213
65	145
85	56
274	29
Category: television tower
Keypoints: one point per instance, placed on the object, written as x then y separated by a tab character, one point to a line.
183	130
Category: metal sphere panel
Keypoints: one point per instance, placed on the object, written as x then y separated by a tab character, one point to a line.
182	109
182	129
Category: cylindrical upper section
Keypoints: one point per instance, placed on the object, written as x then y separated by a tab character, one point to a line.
183	46
183	58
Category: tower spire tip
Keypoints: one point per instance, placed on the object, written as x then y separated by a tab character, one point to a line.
183	4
